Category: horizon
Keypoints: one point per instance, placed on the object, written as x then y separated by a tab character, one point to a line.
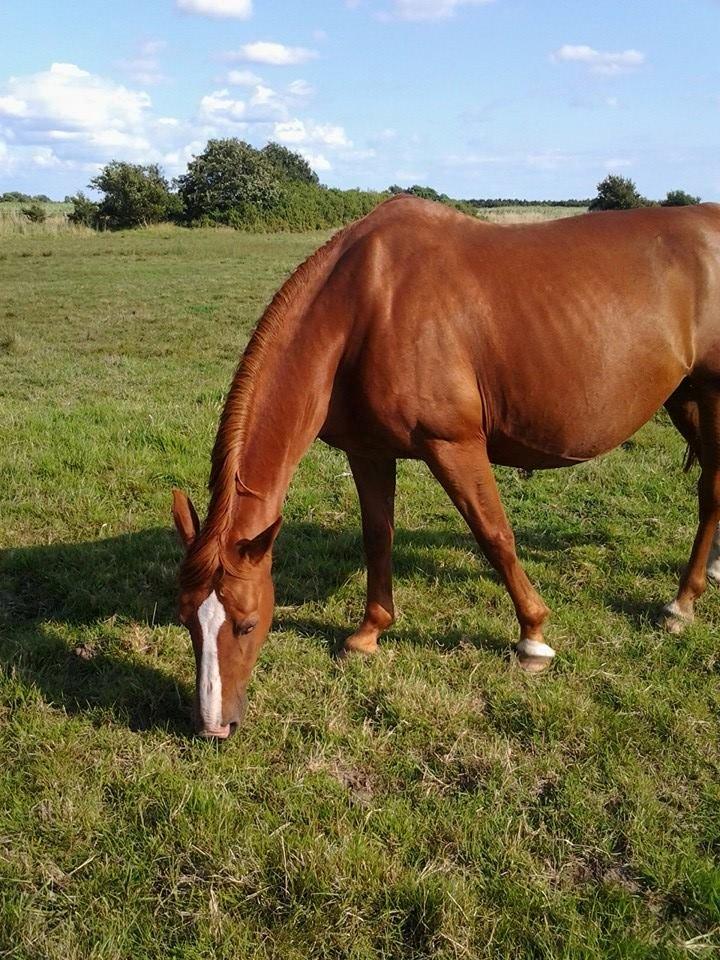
477	99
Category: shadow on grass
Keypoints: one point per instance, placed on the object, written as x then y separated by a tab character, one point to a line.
133	577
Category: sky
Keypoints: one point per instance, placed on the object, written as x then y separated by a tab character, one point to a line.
538	99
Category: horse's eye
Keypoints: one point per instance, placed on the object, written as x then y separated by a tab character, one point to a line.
244	627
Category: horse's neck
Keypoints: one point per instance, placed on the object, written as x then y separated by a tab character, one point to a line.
284	407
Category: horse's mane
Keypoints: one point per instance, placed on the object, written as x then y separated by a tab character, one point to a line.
204	557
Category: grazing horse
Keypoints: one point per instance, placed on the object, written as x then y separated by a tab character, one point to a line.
420	332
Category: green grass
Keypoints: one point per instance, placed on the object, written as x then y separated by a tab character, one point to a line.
434	802
13	221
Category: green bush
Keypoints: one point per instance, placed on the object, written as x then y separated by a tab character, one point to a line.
617	193
135	195
679	198
303	206
35	213
226	176
85	213
289	165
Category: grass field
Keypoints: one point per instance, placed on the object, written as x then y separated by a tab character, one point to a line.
529	214
13	221
435	802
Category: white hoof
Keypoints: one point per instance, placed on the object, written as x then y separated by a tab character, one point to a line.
534	655
713	570
673	619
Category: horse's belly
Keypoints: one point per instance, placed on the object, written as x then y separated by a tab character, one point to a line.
569	429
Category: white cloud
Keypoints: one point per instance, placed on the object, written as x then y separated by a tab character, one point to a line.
12	107
301	88
68	98
68	118
273	54
308	132
262	104
318	161
239	9
220	107
598	61
428	9
243	78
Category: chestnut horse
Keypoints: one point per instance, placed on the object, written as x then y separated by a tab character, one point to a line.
420	332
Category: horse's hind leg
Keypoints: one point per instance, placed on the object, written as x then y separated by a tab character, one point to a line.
375	482
694	581
682	407
465	472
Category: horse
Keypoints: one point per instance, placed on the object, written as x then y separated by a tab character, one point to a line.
421	332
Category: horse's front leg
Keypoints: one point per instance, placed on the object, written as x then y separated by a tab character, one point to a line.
375	482
465	471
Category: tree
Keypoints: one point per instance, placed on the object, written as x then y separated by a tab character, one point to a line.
84	213
289	165
227	175
617	193
134	195
679	198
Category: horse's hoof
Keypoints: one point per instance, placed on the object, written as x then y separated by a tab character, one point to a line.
355	645
713	571
673	619
534	656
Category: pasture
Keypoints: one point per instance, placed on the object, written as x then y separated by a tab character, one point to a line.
434	802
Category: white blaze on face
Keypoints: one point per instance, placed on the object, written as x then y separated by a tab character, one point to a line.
211	615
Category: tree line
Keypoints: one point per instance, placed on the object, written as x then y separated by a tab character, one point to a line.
230	183
272	188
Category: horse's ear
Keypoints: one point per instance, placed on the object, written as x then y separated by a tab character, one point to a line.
254	550
185	517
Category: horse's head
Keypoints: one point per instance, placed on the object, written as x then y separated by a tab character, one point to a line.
226	603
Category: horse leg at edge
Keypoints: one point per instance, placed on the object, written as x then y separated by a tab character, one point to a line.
465	472
694	580
682	407
375	482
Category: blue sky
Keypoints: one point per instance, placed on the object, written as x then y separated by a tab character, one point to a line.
478	98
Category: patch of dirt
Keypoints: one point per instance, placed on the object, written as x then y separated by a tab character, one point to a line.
359	782
86	651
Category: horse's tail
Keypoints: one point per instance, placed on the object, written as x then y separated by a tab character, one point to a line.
690	458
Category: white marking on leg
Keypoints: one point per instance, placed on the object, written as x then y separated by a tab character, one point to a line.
534	648
676	619
211	615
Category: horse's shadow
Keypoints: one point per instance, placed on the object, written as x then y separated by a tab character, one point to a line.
50	595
